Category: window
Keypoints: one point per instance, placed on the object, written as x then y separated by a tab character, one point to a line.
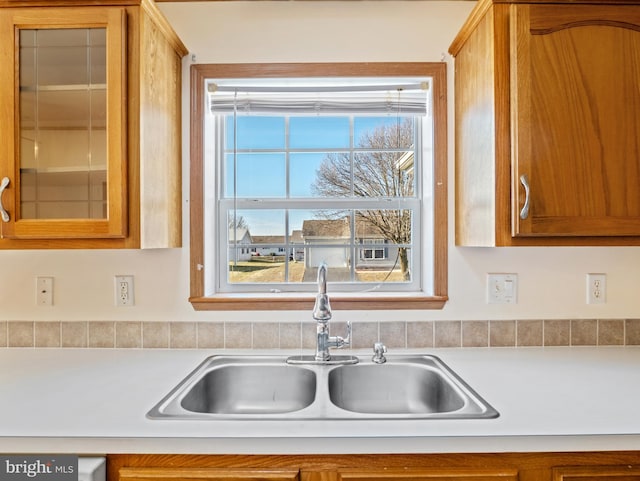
297	164
374	252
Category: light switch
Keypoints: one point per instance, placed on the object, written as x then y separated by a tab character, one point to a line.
502	288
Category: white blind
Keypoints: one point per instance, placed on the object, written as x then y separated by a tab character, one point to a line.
402	100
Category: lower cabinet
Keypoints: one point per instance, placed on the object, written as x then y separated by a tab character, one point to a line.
596	473
583	466
428	474
204	474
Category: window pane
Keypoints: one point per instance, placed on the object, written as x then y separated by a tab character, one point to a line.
257	175
337	258
390	132
391	264
319	132
384	238
310	179
333	177
257	269
256	247
258	222
382	174
385	225
255	133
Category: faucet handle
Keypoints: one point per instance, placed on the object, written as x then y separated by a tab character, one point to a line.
344	341
379	350
347	340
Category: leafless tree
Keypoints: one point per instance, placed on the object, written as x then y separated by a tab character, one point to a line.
378	172
238	222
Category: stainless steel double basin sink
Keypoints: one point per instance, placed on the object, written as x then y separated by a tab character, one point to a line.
266	387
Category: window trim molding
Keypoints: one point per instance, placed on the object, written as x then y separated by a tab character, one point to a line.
347	301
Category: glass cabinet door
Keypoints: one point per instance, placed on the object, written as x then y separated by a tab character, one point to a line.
66	169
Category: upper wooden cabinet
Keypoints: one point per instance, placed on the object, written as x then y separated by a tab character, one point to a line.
90	155
547	124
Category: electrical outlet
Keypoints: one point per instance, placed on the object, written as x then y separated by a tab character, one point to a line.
124	291
44	291
596	288
502	288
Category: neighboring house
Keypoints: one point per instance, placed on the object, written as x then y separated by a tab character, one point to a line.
332	233
376	252
318	241
297	252
247	245
327	240
268	245
405	162
239	245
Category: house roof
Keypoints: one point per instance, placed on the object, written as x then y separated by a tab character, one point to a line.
267	239
366	229
326	228
339	228
240	234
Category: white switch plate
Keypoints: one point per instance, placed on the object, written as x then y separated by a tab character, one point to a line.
123	289
502	288
44	291
596	288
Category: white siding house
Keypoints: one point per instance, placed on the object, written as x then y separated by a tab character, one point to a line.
239	245
328	241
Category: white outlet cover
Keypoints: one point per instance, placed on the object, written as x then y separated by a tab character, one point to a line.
124	298
44	291
596	288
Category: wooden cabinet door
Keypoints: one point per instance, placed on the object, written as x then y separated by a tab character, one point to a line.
206	474
63	122
596	473
428	474
575	109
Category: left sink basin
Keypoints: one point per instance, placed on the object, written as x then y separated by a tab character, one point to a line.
228	387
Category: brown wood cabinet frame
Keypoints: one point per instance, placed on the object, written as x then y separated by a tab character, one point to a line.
536	466
199	73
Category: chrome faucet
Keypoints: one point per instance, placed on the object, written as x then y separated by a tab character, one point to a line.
322	308
322	315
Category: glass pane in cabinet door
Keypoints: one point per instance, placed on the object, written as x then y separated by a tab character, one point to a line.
63	120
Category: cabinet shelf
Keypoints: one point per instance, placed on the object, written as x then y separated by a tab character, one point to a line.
64	88
65	170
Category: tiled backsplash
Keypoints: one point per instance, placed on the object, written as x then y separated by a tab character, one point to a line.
292	335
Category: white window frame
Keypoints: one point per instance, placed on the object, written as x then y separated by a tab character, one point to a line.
420	208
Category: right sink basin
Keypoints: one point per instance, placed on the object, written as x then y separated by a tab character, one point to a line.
392	389
421	386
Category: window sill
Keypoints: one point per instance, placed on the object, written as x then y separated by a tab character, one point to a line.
290	302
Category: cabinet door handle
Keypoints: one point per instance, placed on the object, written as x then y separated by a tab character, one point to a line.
3	213
524	212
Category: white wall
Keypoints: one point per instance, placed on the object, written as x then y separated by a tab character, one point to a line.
551	280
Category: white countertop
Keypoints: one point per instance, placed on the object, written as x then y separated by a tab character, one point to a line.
89	401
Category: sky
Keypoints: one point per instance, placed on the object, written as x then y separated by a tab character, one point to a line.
262	174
